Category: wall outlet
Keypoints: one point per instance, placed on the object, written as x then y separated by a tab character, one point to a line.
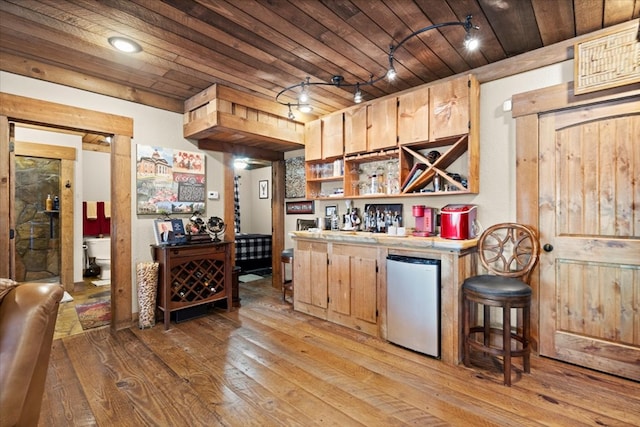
213	195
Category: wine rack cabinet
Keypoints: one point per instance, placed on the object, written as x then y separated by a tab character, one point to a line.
191	275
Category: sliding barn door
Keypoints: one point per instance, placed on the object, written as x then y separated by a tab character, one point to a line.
589	184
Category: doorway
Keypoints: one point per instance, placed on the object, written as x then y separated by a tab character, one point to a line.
577	162
18	109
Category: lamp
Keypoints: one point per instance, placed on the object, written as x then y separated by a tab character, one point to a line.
240	163
303	105
125	45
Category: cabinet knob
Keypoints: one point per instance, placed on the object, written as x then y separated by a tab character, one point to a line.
547	247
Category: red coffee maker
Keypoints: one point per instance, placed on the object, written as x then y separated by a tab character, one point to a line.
425	221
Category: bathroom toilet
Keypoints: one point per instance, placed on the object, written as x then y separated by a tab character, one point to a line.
100	249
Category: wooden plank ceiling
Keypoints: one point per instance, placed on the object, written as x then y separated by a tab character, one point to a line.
263	46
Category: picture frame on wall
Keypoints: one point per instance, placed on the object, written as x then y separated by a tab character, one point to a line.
330	210
303	207
263	189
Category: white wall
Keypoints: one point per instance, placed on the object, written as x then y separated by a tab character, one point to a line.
96	176
255	213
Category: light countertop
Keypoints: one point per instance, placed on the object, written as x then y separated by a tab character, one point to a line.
365	237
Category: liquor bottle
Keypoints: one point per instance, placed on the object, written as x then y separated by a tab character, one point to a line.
56	203
48	203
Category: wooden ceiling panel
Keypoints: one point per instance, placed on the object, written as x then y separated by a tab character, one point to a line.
555	19
262	46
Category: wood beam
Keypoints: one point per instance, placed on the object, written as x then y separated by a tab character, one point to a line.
240	150
36	111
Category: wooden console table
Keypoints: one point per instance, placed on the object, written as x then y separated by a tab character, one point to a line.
193	274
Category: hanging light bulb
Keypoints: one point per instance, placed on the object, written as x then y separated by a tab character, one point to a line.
290	114
303	98
357	96
391	72
305	108
470	42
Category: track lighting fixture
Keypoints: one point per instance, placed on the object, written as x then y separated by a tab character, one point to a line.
303	104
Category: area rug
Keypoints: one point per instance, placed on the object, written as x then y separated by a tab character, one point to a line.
102	282
95	314
249	278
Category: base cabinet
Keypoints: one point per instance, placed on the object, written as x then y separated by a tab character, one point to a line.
338	283
353	288
191	275
310	260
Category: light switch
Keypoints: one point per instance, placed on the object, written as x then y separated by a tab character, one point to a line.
213	195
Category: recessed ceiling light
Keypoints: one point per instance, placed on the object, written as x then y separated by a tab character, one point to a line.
125	45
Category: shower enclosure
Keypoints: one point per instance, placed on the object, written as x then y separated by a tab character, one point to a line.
37	239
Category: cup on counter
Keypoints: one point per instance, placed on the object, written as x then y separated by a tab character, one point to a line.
392	230
401	231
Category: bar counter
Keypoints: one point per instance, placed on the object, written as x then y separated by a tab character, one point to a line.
457	257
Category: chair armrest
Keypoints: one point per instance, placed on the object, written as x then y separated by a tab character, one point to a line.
27	322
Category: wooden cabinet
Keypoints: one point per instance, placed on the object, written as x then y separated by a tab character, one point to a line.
413	116
324	138
191	275
353	287
442	117
371	127
310	260
332	136
313	140
355	130
450	107
382	124
338	283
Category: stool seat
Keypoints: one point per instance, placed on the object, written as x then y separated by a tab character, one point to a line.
497	286
287	253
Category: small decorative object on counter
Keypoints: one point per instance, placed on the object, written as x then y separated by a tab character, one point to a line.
215	227
147	277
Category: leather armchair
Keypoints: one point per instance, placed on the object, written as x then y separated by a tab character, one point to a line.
28	315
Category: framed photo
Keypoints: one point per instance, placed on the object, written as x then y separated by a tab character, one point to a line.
330	210
304	207
169	231
263	189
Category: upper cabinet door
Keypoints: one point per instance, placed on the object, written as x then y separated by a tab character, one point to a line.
313	140
413	116
383	124
355	130
449	108
332	136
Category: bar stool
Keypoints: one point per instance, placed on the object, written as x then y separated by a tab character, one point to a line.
286	257
509	252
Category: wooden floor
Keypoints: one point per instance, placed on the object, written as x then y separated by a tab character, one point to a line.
266	365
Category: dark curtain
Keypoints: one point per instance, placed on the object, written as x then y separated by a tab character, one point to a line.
236	204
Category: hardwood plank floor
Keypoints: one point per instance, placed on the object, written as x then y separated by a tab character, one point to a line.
266	365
